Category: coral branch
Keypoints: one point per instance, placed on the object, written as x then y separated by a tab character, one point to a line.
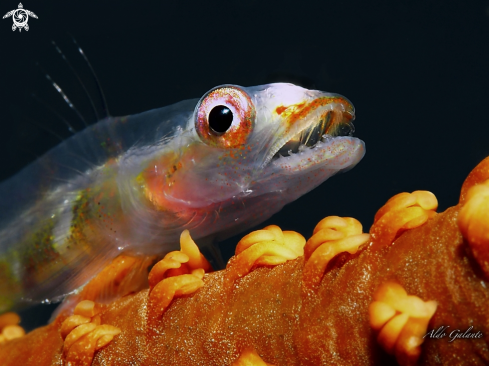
255	308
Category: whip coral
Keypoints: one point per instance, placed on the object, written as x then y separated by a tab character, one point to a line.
344	297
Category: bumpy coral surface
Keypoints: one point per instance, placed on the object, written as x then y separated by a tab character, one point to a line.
269	313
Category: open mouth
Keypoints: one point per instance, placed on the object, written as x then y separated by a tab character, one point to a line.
332	123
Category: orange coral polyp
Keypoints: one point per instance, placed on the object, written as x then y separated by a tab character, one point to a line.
9	328
473	222
180	262
243	262
249	357
320	238
81	353
395	296
83	333
390	293
172	260
9	319
103	341
424	199
76	334
380	313
253	238
196	258
163	293
391	331
402	212
10	332
88	308
317	263
477	176
270	246
347	225
331	236
178	273
402	320
269	233
71	323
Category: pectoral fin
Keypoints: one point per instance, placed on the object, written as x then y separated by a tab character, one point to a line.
124	275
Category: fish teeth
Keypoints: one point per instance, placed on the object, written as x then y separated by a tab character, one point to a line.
302	147
326	137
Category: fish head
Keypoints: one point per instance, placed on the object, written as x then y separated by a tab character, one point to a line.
248	151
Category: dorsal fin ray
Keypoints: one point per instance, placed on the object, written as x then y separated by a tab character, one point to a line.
99	113
80	81
95	78
63	94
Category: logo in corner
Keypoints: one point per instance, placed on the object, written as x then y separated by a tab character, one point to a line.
20	17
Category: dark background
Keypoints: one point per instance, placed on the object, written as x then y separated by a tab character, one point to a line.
416	71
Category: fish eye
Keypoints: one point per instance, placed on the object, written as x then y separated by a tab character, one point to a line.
224	117
220	119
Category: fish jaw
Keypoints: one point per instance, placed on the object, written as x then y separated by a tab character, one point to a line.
299	173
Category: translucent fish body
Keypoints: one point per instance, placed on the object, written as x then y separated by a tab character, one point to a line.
133	184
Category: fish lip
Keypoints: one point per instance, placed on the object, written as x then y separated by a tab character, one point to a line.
294	143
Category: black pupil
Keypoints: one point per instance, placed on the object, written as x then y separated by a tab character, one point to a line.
220	119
